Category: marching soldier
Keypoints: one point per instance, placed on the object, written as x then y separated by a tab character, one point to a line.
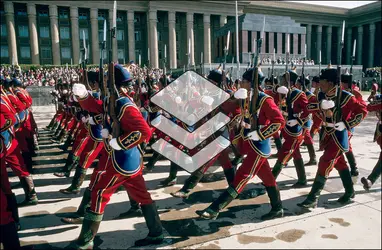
256	145
293	132
122	164
375	106
335	139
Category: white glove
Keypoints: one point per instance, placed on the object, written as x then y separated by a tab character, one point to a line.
143	90
75	98
178	100
254	136
64	91
114	144
207	100
105	133
245	125
241	93
339	126
325	104
282	90
91	121
312	90
292	123
79	90
84	119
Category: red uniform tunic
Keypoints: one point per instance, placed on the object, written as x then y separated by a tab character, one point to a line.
270	121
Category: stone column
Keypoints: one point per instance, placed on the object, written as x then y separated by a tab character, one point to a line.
271	43
254	41
172	39
295	44
244	41
131	34
223	20
371	45
190	35
154	39
302	45
55	35
75	34
349	45
207	38
95	40
309	41
114	43
10	20
328	44
359	45
279	43
319	40
33	37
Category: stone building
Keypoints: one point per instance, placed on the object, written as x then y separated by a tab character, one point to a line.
50	32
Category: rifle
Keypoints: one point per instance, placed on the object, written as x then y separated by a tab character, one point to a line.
226	48
351	66
102	84
303	85
84	62
255	84
338	117
111	83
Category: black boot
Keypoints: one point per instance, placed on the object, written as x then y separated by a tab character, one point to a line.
277	210
78	217
77	181
27	156
57	132
59	136
12	206
220	203
134	211
312	156
67	143
238	157
189	184
278	143
71	162
151	163
277	169
154	225
89	230
230	175
371	179
171	179
348	185
9	237
30	193
353	163
51	123
300	169
311	200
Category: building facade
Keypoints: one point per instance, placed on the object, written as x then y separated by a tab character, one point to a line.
52	32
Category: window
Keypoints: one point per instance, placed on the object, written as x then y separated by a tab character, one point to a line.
176	19
23	31
177	55
100	36
121	54
3	29
82	31
64	33
159	19
119	18
137	54
4	50
44	31
137	36
159	34
101	16
83	16
43	13
65	53
46	52
120	35
137	19
25	52
177	36
21	12
63	14
160	55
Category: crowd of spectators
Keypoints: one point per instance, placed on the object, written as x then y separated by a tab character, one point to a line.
373	72
282	61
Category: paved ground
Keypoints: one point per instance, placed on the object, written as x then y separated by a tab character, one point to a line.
357	225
